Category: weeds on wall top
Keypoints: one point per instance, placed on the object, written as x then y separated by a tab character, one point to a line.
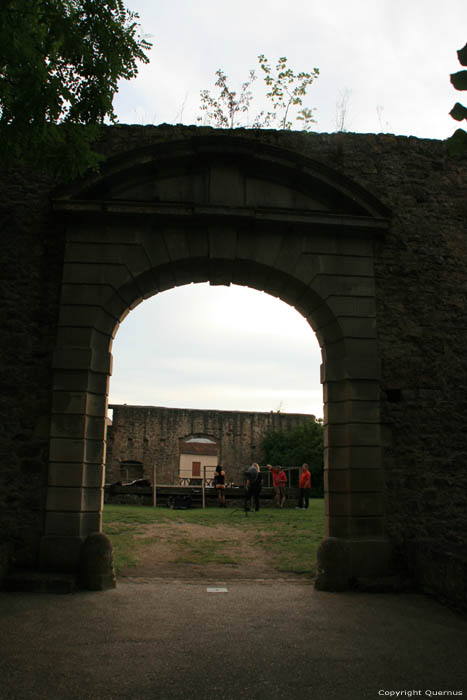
286	90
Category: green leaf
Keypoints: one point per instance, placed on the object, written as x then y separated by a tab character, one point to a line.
458	142
462	56
459	80
458	112
61	63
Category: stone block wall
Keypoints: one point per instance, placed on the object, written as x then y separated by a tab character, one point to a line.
421	298
31	255
151	435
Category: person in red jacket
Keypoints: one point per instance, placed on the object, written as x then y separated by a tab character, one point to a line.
279	482
304	485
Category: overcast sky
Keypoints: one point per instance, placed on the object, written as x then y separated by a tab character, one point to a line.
390	58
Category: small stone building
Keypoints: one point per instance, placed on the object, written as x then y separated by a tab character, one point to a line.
180	441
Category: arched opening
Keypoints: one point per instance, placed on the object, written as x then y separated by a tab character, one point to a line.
131	470
218	366
217	347
218	210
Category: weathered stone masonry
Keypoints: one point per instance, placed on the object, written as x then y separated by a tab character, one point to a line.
152	434
365	235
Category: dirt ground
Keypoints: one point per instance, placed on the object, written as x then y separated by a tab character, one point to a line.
171	551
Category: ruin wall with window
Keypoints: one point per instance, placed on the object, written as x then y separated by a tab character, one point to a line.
151	435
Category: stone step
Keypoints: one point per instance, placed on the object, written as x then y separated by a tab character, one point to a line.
28	581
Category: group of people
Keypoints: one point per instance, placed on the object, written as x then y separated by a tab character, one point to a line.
254	482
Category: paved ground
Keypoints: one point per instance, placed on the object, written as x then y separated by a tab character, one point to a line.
279	639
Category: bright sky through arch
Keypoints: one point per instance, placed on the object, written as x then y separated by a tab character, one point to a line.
229	348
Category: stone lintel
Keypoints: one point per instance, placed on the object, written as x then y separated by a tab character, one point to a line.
170	212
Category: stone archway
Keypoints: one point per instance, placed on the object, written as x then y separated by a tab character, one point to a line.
224	211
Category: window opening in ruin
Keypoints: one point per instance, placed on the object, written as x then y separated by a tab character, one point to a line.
130	470
206	449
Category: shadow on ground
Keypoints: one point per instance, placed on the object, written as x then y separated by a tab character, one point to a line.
157	638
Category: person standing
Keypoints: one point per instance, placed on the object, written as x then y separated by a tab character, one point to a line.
252	486
279	483
220	485
304	486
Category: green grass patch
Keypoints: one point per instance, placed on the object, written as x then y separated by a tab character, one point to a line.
204	551
291	536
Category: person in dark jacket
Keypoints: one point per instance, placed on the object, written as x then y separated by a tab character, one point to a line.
220	485
253	481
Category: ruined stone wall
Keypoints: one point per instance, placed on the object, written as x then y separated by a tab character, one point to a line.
151	435
421	291
31	253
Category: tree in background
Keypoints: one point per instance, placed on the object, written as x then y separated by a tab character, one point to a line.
60	63
304	443
286	92
458	141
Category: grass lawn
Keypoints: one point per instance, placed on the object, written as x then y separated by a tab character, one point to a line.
291	535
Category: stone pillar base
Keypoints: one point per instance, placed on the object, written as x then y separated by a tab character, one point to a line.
59	553
90	559
96	570
341	561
